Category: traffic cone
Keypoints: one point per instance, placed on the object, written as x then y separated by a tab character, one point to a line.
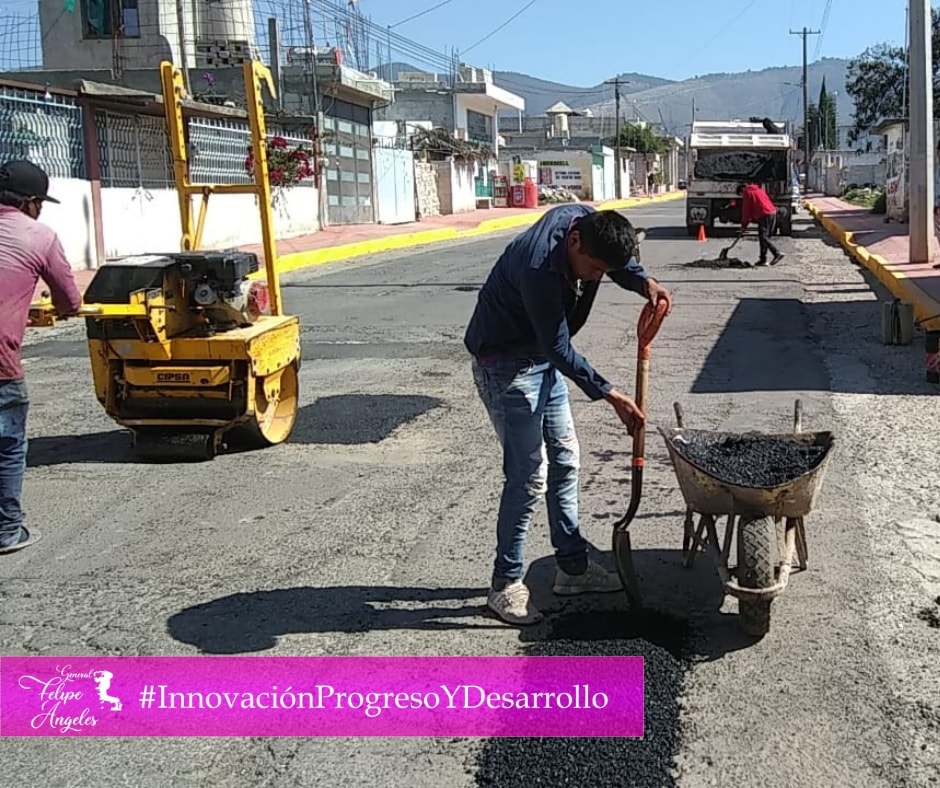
701	232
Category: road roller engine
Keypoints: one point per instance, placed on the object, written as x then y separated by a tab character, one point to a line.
185	354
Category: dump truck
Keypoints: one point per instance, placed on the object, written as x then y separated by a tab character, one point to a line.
726	153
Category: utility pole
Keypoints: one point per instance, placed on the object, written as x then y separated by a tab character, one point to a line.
921	134
274	56
619	175
806	143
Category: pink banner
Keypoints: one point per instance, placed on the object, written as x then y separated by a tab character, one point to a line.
322	696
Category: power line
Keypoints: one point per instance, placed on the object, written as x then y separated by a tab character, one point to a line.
421	13
397	42
492	33
718	35
822	28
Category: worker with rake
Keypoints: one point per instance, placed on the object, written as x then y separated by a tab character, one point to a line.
537	297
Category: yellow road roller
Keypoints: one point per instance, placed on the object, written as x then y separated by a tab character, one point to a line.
190	350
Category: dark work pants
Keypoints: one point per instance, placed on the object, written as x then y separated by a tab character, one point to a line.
765	230
14	407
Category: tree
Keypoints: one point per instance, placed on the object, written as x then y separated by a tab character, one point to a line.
877	80
826	121
641	138
812	136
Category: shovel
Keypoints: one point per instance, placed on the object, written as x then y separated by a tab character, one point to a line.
723	254
650	321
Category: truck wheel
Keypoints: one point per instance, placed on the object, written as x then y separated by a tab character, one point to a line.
786	226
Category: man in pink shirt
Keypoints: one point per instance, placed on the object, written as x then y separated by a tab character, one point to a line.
29	251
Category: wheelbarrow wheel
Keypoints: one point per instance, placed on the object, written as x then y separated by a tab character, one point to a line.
756	539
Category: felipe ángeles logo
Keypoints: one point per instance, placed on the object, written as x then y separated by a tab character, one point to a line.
69	700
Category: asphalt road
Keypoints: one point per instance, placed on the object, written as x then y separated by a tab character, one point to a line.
370	532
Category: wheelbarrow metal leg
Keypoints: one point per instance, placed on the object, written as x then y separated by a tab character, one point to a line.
696	543
689	531
802	551
729	532
712	533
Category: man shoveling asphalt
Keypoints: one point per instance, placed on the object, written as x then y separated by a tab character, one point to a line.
757	207
29	251
536	298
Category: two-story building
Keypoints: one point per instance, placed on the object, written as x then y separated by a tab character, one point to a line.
122	42
466	106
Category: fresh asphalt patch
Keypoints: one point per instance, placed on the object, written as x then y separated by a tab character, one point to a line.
670	642
523	762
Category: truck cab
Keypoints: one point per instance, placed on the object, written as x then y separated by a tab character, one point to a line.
727	153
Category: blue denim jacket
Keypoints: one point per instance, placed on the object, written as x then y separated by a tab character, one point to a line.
531	304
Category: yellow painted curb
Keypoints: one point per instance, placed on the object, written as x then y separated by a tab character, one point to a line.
926	308
631	202
332	254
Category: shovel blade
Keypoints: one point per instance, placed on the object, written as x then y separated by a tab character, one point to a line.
623	556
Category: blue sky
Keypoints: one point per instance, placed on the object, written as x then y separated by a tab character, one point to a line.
676	39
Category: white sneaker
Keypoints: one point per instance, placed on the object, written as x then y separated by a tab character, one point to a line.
596	580
513	604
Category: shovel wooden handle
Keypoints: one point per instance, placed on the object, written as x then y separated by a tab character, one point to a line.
651	320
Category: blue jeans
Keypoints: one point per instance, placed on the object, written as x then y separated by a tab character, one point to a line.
527	402
14	407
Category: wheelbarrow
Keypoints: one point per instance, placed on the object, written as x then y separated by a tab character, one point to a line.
768	521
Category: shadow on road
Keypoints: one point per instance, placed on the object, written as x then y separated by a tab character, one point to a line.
248	622
682	625
348	419
768	345
252	622
113	446
353	419
666	233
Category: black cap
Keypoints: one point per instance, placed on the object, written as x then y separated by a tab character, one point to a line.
26	179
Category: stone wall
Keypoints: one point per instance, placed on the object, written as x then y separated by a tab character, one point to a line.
429	202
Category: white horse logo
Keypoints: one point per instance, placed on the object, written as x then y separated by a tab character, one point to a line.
103	680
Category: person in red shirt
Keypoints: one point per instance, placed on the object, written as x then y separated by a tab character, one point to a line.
29	251
757	207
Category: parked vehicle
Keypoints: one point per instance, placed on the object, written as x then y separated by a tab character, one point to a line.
726	153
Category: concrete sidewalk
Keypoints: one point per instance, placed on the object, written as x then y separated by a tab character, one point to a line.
350	241
884	249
